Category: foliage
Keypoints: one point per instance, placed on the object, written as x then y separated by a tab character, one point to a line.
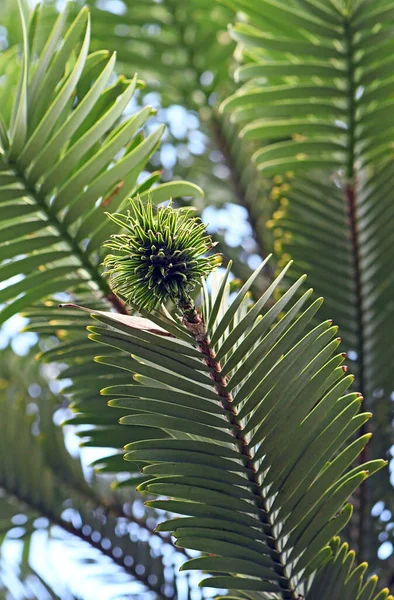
314	110
41	479
65	158
188	45
228	429
316	82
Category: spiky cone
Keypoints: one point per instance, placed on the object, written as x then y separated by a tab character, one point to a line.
161	255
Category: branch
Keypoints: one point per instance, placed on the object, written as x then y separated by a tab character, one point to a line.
195	325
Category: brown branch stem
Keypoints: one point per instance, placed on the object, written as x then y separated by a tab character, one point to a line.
363	515
194	322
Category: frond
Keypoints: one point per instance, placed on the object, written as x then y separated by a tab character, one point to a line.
316	104
316	97
67	155
96	426
255	423
39	478
175	26
342	577
183	50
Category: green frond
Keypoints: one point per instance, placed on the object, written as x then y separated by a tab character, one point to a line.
316	98
342	577
331	195
169	53
314	80
184	49
242	418
67	156
255	451
100	427
38	477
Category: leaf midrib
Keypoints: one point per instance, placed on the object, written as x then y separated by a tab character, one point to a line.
351	200
53	221
225	399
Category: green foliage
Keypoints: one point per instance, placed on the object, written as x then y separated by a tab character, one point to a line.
242	416
254	450
84	378
160	257
332	124
342	578
316	98
41	479
184	52
65	157
170	52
